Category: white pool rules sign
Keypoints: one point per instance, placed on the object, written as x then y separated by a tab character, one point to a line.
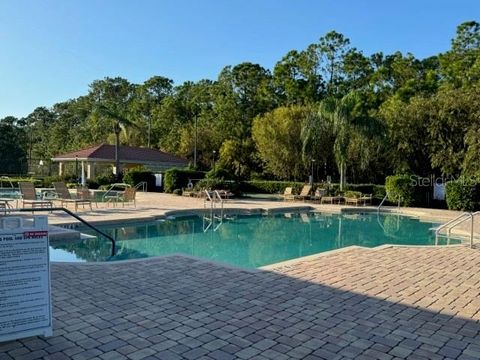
25	299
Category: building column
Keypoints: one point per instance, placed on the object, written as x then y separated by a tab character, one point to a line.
82	177
60	168
90	170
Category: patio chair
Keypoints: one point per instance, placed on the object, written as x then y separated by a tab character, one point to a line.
225	194
83	193
367	199
288	194
29	196
317	196
353	198
332	199
65	197
128	196
305	193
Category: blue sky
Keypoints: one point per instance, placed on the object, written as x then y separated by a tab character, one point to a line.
50	50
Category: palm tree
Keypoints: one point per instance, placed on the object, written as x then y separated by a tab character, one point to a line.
120	122
346	118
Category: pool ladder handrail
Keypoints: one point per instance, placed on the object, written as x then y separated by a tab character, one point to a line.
142	186
72	214
213	197
7	179
381	203
110	190
460	219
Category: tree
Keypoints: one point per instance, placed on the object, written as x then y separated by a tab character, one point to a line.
333	48
12	147
349	120
277	135
460	66
149	96
296	78
239	157
112	100
120	121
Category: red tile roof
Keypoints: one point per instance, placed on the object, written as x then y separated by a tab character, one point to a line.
106	152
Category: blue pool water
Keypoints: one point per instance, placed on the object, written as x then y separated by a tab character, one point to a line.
249	240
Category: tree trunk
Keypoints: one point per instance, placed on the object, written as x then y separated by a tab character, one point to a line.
117	151
342	175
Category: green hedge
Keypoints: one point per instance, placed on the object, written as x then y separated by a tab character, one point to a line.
15	180
137	175
178	178
400	188
462	195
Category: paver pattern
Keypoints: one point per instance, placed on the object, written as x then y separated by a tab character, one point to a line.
388	303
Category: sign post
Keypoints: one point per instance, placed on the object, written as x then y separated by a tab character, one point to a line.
25	296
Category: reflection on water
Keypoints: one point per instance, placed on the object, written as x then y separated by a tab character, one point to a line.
251	240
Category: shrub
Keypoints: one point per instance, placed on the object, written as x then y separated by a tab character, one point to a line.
49	180
400	188
219	173
139	174
92	184
105	179
177	192
178	178
462	195
378	192
15	181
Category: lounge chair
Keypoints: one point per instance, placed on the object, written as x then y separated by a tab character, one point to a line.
288	194
305	193
29	196
65	197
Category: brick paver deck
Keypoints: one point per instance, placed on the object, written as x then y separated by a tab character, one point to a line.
389	303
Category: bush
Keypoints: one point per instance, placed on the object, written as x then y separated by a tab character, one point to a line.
219	173
462	195
137	175
92	184
15	180
177	192
400	188
105	179
49	180
178	178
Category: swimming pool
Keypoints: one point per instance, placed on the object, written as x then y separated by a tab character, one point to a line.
248	240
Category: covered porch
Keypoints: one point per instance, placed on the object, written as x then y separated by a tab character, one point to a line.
99	160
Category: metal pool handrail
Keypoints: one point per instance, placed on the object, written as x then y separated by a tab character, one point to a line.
141	185
113	186
7	179
84	222
379	206
449	225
